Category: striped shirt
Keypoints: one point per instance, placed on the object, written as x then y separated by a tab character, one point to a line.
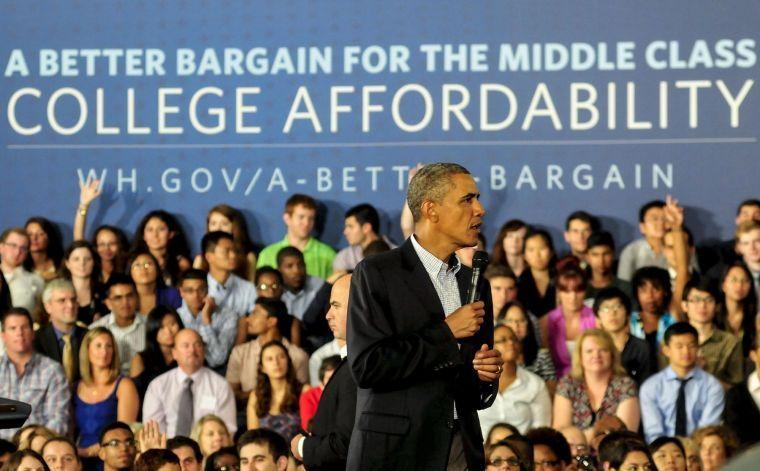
129	340
444	278
44	386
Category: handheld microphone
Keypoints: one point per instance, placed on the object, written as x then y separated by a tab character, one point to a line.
479	263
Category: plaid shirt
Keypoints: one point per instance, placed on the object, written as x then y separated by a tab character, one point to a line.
218	336
44	386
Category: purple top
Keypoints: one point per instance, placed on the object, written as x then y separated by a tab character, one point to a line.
557	337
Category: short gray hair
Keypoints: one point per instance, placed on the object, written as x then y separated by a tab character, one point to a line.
58	284
431	183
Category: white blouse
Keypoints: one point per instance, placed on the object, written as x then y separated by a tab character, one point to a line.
525	404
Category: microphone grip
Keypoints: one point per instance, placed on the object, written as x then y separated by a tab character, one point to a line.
472	295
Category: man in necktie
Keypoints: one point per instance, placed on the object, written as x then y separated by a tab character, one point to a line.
682	397
179	397
60	338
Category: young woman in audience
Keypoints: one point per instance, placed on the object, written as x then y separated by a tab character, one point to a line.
736	314
509	245
628	453
37	438
596	386
565	324
504	455
225	218
523	399
45	248
161	325
668	454
161	234
224	459
499	432
111	244
102	396
535	286
273	403
151	291
211	434
81	266
717	444
25	460
532	357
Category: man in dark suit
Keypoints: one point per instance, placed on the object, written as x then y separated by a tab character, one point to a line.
327	446
422	358
60	338
742	411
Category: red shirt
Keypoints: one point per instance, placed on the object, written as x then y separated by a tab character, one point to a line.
308	405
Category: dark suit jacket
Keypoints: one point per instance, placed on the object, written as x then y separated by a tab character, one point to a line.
327	447
46	343
741	414
410	369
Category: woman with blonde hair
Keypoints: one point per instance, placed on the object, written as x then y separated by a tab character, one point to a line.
211	434
102	396
227	219
597	386
717	444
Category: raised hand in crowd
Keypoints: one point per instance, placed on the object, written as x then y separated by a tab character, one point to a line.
89	190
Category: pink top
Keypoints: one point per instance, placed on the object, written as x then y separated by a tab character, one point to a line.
557	336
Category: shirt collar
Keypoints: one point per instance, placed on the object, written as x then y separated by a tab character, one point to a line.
215	285
59	335
670	374
433	265
181	375
138	320
343	351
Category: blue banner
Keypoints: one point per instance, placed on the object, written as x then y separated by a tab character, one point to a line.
554	106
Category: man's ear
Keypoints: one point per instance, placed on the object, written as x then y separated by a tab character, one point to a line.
429	211
666	350
282	463
641	228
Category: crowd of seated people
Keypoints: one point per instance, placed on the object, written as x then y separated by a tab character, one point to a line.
142	355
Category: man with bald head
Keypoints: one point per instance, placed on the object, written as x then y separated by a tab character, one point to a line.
181	396
327	446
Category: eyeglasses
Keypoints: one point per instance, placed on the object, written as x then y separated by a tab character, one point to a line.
610	309
130	443
701	300
264	286
227	467
505	463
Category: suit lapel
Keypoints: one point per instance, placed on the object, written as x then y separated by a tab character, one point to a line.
418	280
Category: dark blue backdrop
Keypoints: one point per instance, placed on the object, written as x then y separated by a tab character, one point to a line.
709	167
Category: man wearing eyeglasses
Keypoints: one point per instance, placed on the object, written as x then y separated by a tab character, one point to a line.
25	287
127	327
719	352
118	447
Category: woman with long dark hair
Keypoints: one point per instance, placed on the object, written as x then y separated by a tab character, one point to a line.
81	266
533	357
273	403
45	248
535	286
508	247
160	233
151	290
161	325
737	312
